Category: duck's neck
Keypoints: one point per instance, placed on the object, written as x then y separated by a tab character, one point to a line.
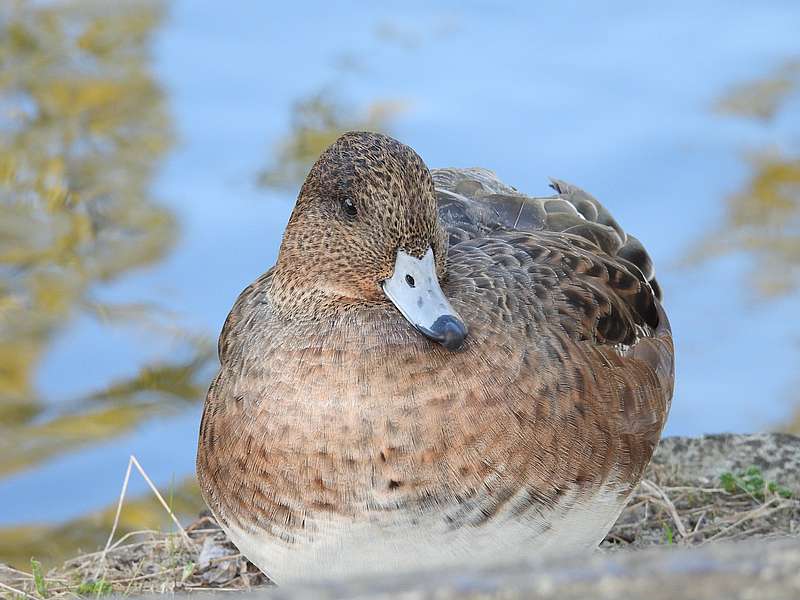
297	293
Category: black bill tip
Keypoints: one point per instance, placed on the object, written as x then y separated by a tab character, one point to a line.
449	331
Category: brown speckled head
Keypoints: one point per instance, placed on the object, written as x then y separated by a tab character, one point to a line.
365	198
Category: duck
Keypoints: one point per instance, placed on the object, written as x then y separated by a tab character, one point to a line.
438	369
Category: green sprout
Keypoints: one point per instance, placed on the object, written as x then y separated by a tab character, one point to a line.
38	578
94	588
751	481
669	535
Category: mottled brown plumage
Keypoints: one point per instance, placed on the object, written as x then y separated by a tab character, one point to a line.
331	414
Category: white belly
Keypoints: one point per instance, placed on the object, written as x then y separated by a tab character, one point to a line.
387	542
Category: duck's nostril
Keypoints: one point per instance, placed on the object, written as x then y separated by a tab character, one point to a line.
410	281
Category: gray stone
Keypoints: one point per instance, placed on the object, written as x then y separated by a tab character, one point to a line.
705	458
730	571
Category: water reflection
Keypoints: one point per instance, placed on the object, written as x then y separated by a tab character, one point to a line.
765	97
315	123
83	126
762	219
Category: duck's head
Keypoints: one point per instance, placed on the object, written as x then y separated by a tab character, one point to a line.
365	230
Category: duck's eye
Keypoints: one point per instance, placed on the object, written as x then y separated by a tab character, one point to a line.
349	207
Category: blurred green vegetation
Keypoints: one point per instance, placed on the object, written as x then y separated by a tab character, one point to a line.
315	123
762	219
106	413
762	98
83	126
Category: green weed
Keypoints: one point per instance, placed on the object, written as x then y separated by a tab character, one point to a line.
751	481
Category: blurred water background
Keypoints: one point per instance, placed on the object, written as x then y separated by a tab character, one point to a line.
150	153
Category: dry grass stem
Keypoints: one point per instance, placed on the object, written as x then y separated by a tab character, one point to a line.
16	592
171	514
664	499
